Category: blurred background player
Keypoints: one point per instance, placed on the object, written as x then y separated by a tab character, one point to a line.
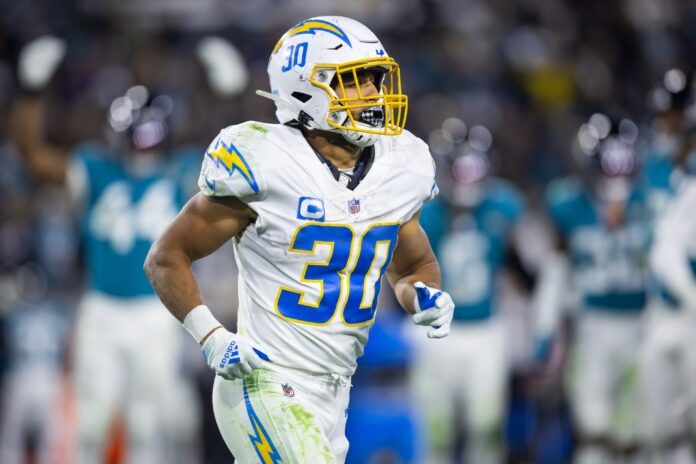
128	190
473	234
669	101
36	333
383	422
670	351
602	223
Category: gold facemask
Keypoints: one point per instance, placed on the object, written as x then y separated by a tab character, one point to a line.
389	99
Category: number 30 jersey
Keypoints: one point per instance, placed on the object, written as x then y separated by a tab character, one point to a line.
311	263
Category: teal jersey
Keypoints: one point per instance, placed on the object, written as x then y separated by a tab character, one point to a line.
433	219
656	180
471	246
609	266
123	214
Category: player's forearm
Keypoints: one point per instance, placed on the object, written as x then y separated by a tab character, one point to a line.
171	275
48	163
428	273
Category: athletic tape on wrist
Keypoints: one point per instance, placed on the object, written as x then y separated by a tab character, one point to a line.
199	322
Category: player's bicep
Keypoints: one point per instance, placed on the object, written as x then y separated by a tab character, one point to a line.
412	251
205	224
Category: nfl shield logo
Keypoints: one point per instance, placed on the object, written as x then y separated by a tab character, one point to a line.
354	206
288	390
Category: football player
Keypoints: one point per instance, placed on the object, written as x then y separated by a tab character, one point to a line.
670	100
315	207
602	223
36	336
670	359
480	217
126	346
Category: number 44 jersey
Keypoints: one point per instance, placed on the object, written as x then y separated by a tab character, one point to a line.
310	265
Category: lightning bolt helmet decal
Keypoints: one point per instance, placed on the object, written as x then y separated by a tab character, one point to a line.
311	26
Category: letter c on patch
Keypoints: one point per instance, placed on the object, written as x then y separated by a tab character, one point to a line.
311	209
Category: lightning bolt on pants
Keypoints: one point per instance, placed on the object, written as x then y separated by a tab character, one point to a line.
283	416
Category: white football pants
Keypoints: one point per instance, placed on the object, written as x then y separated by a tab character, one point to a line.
605	375
283	415
462	378
126	360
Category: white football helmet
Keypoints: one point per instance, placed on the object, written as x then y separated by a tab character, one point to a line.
310	65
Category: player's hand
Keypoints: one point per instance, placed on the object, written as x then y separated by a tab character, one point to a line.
434	308
231	355
39	60
224	66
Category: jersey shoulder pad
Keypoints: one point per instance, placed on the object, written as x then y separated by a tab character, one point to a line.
413	153
91	170
506	198
232	164
94	156
657	173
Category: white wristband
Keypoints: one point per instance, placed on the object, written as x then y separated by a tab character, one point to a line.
199	322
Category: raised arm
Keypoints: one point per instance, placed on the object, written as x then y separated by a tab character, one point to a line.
46	162
38	61
202	226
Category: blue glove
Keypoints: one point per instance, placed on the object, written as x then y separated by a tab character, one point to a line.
434	308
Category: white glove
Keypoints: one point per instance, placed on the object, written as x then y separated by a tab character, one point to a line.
39	60
231	355
224	66
434	308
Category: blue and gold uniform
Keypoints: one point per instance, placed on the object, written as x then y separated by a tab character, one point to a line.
310	275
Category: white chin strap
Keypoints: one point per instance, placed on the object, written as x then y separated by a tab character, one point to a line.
361	139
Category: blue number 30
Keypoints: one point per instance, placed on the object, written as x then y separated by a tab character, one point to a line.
349	279
295	56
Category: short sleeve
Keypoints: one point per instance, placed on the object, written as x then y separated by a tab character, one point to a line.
423	164
90	169
231	166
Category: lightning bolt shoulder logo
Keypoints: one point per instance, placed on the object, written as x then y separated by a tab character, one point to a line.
265	449
232	160
311	26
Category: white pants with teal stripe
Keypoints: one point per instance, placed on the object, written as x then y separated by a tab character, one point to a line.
283	416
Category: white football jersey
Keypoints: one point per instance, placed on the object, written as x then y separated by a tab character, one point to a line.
310	265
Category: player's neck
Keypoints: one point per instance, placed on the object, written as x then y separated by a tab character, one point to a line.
334	147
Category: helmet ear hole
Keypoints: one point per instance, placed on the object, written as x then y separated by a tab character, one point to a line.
303	97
